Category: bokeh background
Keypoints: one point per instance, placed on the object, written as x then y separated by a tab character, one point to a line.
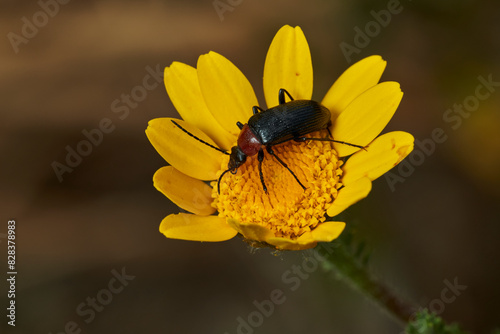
441	223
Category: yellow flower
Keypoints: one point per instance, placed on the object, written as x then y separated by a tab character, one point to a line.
214	96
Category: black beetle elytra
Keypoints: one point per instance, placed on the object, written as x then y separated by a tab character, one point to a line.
287	121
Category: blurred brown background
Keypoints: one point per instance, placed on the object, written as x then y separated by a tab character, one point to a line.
441	224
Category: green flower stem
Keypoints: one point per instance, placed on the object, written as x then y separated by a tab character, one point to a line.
351	266
351	269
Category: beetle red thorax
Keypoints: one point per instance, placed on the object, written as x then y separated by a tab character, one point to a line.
248	142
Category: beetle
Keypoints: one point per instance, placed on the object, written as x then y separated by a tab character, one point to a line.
287	121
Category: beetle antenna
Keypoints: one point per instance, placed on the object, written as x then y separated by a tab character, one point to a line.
337	141
198	139
220	178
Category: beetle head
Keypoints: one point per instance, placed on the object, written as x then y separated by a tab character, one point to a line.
236	159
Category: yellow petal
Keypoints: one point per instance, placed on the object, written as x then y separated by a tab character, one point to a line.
180	150
181	82
288	65
251	231
190	194
353	82
327	231
287	244
227	92
366	116
349	195
191	227
381	155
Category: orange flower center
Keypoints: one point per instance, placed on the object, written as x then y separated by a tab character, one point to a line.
286	209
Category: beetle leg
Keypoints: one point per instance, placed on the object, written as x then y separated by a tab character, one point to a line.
329	132
256	109
281	95
270	151
260	157
303	139
239	125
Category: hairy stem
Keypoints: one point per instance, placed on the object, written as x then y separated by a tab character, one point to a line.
350	269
